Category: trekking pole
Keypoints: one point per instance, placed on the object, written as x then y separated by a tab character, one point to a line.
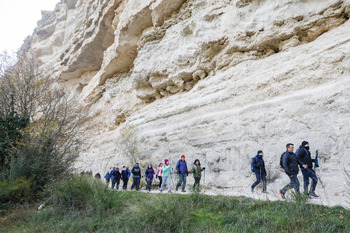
204	178
171	176
322	185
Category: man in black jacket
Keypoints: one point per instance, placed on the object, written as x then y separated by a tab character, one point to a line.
259	170
304	158
290	165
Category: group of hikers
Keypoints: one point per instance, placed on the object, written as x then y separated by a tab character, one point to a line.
289	161
163	173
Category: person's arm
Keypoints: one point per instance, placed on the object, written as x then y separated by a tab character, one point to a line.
166	168
264	170
178	167
285	164
186	170
300	158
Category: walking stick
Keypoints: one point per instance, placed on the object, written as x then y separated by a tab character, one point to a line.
204	178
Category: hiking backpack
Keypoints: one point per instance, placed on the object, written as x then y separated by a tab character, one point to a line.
252	163
281	160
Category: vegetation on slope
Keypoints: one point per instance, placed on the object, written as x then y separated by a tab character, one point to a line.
83	204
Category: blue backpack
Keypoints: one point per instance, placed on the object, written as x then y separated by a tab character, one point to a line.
252	162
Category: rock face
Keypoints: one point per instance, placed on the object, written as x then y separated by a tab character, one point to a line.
215	80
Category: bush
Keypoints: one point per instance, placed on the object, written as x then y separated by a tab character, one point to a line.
19	190
81	193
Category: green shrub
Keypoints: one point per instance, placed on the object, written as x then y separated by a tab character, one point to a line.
19	190
81	193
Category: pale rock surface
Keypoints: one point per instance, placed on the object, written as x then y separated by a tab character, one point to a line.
215	80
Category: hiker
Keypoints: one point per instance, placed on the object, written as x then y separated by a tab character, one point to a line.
197	172
159	174
259	170
304	158
113	173
166	176
116	179
290	166
125	177
107	177
182	170
136	176
149	177
97	176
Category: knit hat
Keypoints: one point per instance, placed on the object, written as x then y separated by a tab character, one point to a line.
304	143
165	160
182	156
259	151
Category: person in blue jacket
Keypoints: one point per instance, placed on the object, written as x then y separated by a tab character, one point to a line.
182	170
259	170
107	177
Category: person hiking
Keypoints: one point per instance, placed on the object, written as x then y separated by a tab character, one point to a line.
182	170
159	174
259	170
107	177
125	177
97	176
136	176
197	172
290	166
149	177
113	174
304	158
166	176
116	179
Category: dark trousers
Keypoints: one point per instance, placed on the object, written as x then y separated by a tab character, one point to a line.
160	181
294	183
182	179
149	183
125	183
136	183
196	181
309	173
260	177
114	182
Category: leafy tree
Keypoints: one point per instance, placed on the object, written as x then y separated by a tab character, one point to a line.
39	124
128	143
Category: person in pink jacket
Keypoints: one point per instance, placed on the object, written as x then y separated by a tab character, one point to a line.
159	174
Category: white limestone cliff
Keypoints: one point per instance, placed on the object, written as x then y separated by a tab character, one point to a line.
215	80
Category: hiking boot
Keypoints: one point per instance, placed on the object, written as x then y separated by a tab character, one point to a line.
183	191
170	191
252	189
266	192
161	191
307	195
314	194
282	194
177	188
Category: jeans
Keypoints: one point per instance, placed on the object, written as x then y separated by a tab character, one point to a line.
136	183
165	179
294	183
125	183
260	177
115	182
309	173
182	179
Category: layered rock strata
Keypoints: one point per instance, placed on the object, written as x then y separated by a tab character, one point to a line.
215	80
